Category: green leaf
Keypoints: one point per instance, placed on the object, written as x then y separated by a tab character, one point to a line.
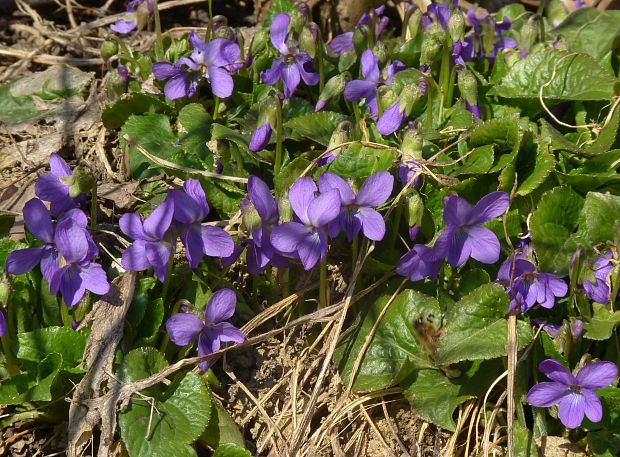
478	162
223	196
289	174
35	346
6	247
142	363
15	109
116	114
222	429
558	141
503	133
590	31
179	416
316	126
231	450
153	133
151	322
553	225
601	324
534	173
476	327
360	161
31	385
601	212
394	343
6	222
604	443
564	75
607	136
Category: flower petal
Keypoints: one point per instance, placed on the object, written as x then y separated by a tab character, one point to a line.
357	89
373	224
376	189
274	74
592	404
546	394
350	224
177	86
159	220
260	137
69	282
164	70
342	43
217	242
311	248
261	198
71	241
158	255
557	372
194	245
483	243
300	195
305	67
286	237
184	328
228	333
134	257
278	31
94	279
290	78
49	263
572	409
489	207
329	181
58	166
49	188
38	220
370	67
194	189
456	211
597	375
324	208
186	209
391	120
23	260
124	27
131	225
221	82
221	306
221	52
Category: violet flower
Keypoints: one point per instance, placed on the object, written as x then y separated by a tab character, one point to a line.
260	137
464	235
391	119
190	209
77	273
153	241
2	323
212	61
419	263
596	284
293	65
526	287
406	172
574	394
358	211
307	238
484	27
367	88
436	12
211	331
344	42
123	26
38	220
51	187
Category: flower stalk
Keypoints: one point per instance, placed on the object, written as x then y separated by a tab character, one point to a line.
279	137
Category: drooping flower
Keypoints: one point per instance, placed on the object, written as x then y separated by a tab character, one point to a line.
293	65
366	88
487	39
213	61
51	187
344	42
574	394
419	263
76	272
408	171
260	137
307	238
38	220
2	323
153	241
190	209
596	283
124	26
358	211
436	13
392	119
526	287
464	235
210	331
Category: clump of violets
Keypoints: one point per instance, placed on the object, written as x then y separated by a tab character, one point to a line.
293	65
213	61
487	39
211	330
306	237
125	26
526	287
374	22
358	212
55	187
574	394
597	280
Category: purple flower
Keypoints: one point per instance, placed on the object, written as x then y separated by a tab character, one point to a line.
527	287
2	323
51	187
292	66
122	26
367	88
212	61
260	137
483	26
464	235
344	42
357	211
76	273
419	263
391	119
575	394
437	12
153	242
211	331
307	237
39	222
596	284
190	209
407	170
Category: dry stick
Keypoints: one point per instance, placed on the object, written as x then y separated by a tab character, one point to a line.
393	429
173	166
472	426
374	428
47	59
22	63
487	427
512	367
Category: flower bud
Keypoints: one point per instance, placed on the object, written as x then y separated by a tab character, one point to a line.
408	97
249	216
411	146
528	34
219	21
385	97
360	38
116	82
259	41
341	135
456	25
468	85
414	23
381	52
307	39
285	210
5	292
431	46
333	88
576	266
108	49
142	15
80	182
415	208
297	20
225	32
576	329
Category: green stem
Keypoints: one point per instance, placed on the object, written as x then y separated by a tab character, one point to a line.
397	217
65	315
166	340
279	137
323	284
10	361
93	206
158	43
164	291
354	249
450	93
429	108
216	106
210	10
286	282
444	76
319	61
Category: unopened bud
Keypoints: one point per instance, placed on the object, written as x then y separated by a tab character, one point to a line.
116	82
468	85
333	88
381	52
142	15
430	49
259	41
408	97
81	182
385	97
415	22
225	32
576	329
340	136
528	34
415	208
219	21
5	292
456	25
308	39
108	49
360	38
284	209
297	20
249	216
411	146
